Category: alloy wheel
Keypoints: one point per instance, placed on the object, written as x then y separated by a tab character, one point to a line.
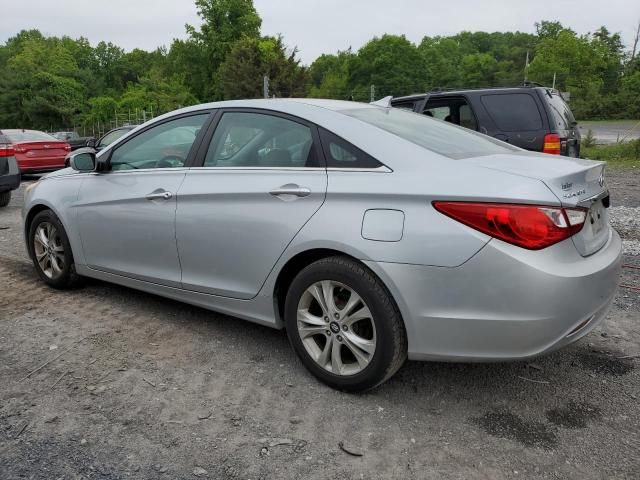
49	250
336	327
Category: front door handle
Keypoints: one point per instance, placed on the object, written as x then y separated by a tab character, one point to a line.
291	189
159	195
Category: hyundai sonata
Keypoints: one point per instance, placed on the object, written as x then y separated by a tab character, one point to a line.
371	234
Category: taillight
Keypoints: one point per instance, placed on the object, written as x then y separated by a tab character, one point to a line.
67	147
551	144
528	226
7	150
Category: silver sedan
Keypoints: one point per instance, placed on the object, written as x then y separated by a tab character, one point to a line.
370	233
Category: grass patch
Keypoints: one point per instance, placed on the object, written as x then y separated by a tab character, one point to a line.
625	154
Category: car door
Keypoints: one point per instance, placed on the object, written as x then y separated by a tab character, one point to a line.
261	179
126	215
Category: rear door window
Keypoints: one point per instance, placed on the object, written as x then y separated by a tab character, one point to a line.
246	139
441	113
513	112
467	119
455	110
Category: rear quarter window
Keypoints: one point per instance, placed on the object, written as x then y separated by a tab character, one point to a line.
513	112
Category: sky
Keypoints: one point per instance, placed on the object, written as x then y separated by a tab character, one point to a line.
314	26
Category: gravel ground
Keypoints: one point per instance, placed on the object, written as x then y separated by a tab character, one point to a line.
136	386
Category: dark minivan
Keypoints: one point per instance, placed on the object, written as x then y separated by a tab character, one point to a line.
531	117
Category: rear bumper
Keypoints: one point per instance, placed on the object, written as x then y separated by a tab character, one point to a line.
9	174
505	303
40	164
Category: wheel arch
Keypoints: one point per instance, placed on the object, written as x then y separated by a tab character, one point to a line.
302	259
34	210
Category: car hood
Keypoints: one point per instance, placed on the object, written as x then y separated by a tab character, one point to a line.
61	173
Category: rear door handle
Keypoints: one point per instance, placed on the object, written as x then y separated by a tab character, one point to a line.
159	195
291	189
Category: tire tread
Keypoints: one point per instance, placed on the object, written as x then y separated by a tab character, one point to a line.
391	310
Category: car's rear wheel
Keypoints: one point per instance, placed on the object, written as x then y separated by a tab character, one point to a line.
344	324
51	252
5	198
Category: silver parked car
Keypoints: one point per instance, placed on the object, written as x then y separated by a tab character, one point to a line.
371	234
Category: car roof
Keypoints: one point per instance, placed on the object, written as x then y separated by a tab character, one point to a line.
281	104
327	114
417	96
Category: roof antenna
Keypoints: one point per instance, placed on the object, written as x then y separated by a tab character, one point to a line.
384	102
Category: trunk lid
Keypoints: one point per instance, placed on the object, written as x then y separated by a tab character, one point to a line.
41	148
575	182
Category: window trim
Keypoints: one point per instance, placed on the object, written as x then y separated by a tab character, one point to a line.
201	154
103	163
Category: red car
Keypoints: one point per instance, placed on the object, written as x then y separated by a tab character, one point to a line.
37	151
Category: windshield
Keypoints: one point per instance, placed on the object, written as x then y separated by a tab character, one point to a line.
27	135
435	135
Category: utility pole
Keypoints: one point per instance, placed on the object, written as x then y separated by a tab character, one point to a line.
526	67
635	42
265	86
553	86
373	93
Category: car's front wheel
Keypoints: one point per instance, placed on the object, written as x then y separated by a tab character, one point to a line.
51	252
344	324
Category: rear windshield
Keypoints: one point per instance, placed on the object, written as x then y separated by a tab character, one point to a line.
27	135
562	116
513	112
435	135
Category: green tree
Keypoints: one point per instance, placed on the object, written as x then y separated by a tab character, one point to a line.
478	70
330	76
224	22
40	87
626	103
391	63
441	57
252	58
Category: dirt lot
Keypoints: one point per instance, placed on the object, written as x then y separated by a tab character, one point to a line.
141	387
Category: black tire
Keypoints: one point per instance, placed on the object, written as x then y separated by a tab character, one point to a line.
391	338
5	198
67	277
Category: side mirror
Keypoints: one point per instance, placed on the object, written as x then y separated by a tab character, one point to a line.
83	160
91	143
